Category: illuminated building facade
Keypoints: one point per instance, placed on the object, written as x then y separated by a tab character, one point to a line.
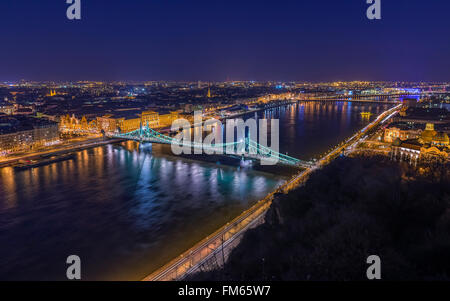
125	125
71	124
167	119
21	133
406	151
107	123
150	118
430	143
401	131
128	122
7	109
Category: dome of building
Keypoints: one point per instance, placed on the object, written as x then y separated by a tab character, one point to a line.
428	134
441	139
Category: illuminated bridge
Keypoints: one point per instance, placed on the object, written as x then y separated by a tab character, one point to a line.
246	148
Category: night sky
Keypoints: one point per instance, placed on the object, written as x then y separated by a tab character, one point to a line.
304	40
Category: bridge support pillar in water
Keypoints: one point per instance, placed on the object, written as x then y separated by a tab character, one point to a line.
245	163
145	145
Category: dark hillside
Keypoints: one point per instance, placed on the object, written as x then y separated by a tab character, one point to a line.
353	208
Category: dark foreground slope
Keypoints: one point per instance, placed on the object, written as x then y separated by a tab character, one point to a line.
351	209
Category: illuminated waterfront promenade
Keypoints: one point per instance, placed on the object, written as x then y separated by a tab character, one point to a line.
59	149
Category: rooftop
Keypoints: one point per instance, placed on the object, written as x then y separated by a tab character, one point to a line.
12	124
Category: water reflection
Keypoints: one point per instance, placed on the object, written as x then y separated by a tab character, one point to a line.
127	209
316	126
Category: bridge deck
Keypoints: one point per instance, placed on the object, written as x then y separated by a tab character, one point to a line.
245	149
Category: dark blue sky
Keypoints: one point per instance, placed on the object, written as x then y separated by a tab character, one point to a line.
309	40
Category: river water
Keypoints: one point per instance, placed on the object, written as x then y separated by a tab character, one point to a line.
126	209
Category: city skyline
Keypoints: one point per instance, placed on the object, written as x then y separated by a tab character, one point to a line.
224	141
179	41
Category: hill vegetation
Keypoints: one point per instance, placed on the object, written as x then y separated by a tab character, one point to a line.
353	208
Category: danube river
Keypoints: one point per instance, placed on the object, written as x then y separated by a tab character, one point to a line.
126	209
